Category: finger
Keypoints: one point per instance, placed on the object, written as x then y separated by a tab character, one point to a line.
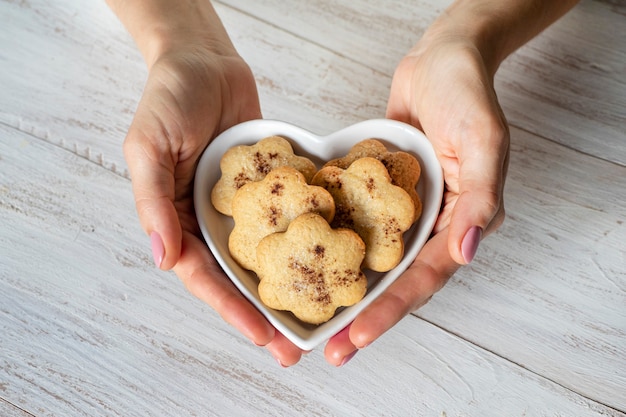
339	349
151	169
204	278
286	353
428	274
483	158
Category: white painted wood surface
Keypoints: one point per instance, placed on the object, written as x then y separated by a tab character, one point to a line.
536	326
574	72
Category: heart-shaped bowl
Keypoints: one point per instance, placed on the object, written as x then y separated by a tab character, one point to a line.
216	227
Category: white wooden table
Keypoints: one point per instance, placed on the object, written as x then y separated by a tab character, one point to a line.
536	326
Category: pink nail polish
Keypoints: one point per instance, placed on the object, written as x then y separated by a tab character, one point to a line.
469	246
158	250
348	357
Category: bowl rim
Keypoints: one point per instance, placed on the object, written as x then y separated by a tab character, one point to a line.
319	148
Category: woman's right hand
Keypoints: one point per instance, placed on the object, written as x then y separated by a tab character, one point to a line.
197	87
192	94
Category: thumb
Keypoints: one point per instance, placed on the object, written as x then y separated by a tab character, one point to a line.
479	208
151	167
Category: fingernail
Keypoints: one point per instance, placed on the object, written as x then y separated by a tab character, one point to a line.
280	363
469	246
347	358
158	250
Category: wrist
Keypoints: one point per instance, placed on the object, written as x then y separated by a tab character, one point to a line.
497	28
462	24
162	26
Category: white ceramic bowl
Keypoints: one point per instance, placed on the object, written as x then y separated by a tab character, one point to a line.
216	227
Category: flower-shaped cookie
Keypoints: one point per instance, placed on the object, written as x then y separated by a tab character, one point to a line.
268	206
404	169
367	202
243	164
311	269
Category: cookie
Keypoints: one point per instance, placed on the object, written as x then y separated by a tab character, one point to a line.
367	202
268	206
403	167
311	269
243	164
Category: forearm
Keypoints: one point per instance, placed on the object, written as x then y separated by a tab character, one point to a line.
159	25
498	27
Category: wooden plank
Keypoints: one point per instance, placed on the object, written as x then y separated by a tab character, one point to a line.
70	75
573	72
568	84
9	410
99	91
376	34
538	85
303	83
90	328
548	290
321	90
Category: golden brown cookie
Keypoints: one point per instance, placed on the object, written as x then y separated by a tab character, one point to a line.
403	167
311	269
243	164
268	206
367	202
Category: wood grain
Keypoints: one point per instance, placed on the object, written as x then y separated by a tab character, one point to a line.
552	279
70	75
573	71
9	410
90	328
